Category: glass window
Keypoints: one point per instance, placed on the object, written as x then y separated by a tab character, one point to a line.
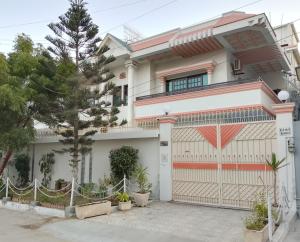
125	95
186	82
117	100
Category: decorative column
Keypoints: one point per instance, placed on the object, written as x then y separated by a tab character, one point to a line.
209	75
285	142
131	69
165	154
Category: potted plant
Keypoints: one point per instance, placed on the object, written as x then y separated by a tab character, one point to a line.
124	201
91	209
257	223
275	165
141	197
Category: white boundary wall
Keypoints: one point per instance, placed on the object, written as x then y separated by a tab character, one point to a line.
148	156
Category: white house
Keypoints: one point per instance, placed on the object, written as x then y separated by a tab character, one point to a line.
217	81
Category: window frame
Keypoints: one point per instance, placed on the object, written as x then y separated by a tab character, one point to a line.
187	82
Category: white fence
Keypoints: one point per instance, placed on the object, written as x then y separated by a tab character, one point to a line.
71	191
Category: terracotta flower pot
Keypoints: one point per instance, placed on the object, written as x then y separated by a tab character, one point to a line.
123	206
141	199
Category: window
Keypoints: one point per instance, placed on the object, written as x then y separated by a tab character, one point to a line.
125	95
117	99
186	82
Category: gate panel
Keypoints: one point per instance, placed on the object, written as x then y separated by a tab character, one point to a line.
222	164
195	176
244	170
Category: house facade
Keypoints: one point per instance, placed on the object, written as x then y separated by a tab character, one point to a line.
199	102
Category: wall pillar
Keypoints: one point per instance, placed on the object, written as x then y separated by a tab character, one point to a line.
165	173
285	133
131	66
209	76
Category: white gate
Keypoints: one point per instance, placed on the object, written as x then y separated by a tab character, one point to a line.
223	164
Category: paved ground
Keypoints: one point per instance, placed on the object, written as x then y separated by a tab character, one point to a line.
161	222
19	226
294	235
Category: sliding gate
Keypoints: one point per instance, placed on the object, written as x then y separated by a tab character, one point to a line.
223	164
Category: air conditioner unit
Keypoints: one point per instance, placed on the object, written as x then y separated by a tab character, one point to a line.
237	65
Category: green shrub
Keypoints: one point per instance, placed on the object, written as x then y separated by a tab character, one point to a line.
141	177
22	167
259	216
122	196
87	189
46	164
123	161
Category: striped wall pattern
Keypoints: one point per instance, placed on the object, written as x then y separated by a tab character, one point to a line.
231	175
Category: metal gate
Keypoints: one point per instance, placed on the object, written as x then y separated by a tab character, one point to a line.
223	164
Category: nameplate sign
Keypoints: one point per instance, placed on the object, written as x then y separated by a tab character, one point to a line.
163	143
285	131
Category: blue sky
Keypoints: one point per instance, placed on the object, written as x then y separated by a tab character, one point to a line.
159	15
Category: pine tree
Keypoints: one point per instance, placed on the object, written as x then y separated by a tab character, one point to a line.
82	65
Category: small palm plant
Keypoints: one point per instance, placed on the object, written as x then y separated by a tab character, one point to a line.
275	165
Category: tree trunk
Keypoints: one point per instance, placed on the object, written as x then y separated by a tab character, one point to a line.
275	188
5	160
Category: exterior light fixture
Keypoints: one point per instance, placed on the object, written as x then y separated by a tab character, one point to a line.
166	109
297	69
283	96
291	145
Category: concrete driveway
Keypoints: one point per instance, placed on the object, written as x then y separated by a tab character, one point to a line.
160	222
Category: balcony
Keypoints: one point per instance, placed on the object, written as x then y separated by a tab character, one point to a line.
207	87
234	100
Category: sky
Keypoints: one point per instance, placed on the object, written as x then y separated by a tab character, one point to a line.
149	17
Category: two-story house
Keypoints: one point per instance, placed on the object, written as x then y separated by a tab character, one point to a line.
226	70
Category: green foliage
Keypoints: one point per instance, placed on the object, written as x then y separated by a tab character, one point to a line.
75	43
46	164
123	161
22	167
2	193
87	189
141	177
275	165
123	196
259	216
26	77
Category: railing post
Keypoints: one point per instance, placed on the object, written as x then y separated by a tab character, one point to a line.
124	183
7	184
270	221
35	189
72	192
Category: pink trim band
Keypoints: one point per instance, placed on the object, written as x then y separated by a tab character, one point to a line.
211	92
211	111
224	166
283	108
162	75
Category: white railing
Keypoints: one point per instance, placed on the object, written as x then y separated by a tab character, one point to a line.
73	190
118	129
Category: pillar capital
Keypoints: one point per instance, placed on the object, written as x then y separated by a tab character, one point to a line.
283	108
167	120
131	63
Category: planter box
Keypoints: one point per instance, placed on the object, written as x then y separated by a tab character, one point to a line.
141	199
123	206
256	236
93	209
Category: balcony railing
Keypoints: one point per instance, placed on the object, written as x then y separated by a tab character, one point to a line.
211	86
